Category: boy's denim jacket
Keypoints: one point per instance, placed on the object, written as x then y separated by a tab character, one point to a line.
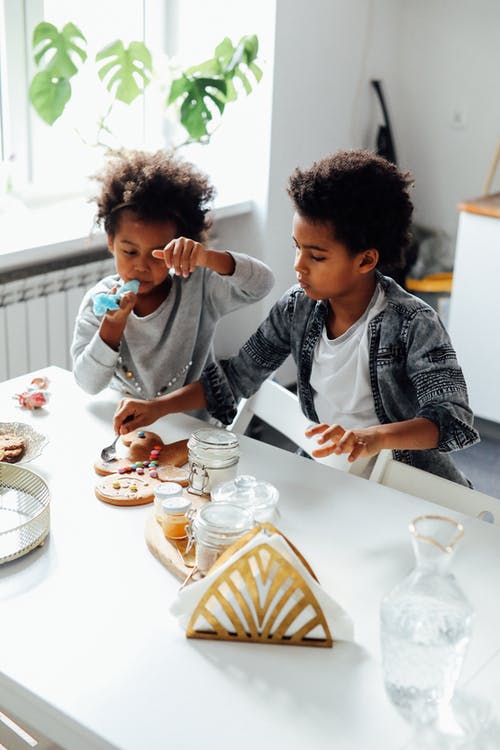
413	369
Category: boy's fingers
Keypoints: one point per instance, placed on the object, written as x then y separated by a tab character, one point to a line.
326	450
315	429
333	433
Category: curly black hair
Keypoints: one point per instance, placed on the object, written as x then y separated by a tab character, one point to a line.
363	196
157	187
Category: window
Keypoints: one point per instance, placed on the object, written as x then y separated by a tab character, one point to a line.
56	160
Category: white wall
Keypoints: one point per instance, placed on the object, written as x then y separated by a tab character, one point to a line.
447	62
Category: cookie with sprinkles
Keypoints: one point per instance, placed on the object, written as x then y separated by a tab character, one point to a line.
148	455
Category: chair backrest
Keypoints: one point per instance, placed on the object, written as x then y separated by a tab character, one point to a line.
279	408
428	486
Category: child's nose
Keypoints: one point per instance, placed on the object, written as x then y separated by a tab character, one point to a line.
140	263
299	264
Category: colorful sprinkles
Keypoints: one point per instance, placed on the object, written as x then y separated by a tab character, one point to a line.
139	466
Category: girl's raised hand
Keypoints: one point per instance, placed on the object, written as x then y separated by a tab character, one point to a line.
183	255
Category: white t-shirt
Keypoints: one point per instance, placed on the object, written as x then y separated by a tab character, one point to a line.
340	378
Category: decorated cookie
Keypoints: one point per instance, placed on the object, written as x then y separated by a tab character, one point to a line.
12	447
149	456
126	489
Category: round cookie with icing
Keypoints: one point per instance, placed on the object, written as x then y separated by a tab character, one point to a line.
126	489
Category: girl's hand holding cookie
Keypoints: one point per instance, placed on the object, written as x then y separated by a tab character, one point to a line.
126	305
363	442
183	255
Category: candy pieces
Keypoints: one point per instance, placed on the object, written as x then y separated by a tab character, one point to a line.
104	302
39	384
31	399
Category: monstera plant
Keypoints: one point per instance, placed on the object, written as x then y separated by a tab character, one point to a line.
200	92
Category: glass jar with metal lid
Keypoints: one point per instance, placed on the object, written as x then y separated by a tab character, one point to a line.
216	527
176	516
259	497
164	491
213	458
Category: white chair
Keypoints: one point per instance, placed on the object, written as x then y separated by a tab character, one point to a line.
279	408
428	486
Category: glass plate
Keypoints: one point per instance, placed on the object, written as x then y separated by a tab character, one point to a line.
35	441
24	511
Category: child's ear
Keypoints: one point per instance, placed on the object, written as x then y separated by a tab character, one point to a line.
368	260
111	247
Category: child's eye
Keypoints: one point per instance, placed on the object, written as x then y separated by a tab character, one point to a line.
317	258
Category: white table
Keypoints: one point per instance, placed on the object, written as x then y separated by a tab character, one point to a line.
92	657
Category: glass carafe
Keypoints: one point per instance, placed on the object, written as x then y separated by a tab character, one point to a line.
426	625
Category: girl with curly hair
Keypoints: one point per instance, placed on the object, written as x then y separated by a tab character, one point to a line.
154	210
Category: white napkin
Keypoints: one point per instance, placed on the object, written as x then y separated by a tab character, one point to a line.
339	622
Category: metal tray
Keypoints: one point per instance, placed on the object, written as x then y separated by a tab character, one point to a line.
24	511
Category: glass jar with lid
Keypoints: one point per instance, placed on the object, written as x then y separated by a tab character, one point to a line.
213	458
259	497
175	516
216	527
164	491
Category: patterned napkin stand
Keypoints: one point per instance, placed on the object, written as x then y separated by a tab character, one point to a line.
260	591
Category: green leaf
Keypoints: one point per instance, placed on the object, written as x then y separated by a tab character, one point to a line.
62	47
179	86
199	94
49	96
256	71
128	71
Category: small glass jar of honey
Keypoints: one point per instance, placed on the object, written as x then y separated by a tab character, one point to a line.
174	516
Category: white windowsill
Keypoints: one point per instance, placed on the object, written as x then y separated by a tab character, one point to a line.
31	236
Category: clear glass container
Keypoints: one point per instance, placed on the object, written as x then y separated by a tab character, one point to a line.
261	498
426	625
174	516
165	491
216	527
213	458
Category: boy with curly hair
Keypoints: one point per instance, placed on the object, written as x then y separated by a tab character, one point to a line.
154	211
375	366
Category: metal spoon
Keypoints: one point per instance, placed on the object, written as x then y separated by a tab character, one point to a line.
109	453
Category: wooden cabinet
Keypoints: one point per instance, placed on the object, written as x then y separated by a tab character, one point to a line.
474	322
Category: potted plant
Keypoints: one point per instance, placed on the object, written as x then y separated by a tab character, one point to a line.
197	95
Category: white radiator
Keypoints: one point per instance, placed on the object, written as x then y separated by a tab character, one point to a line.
37	316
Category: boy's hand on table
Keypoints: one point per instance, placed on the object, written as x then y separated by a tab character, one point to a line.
362	442
137	412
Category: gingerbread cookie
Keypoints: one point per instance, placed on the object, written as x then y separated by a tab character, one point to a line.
128	489
149	456
147	446
12	447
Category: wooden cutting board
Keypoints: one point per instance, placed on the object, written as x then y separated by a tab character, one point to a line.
169	552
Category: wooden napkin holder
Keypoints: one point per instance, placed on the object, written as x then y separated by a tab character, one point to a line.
235	593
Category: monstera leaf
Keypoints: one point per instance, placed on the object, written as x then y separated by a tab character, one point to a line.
211	83
49	96
198	95
50	89
128	71
47	39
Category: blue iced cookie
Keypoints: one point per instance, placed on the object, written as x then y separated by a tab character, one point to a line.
104	302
